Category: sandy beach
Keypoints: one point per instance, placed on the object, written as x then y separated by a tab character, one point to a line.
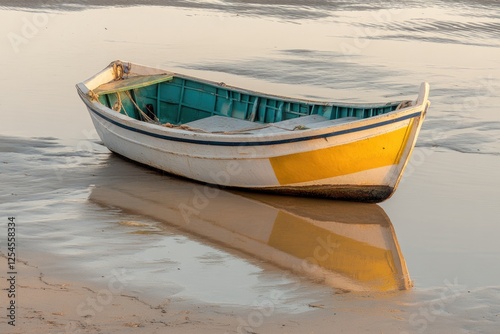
103	245
54	305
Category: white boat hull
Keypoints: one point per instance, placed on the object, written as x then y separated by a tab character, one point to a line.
361	160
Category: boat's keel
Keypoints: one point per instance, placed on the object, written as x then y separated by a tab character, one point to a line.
365	193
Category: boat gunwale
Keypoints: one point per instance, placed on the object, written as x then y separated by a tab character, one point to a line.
155	71
247	139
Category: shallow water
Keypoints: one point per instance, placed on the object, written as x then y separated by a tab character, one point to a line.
445	213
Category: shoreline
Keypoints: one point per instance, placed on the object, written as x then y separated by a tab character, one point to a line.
47	304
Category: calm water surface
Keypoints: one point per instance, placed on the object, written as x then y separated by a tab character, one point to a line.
52	166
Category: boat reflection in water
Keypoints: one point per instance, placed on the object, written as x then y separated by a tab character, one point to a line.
350	246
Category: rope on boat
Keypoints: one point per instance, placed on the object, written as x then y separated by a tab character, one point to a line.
120	69
93	96
184	127
242	131
404	104
144	115
118	106
296	128
189	128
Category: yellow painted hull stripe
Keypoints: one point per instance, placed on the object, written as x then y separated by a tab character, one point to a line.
379	151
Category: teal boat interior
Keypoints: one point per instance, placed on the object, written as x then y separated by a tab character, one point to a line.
177	100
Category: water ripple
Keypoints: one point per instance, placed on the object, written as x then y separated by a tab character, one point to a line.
439	31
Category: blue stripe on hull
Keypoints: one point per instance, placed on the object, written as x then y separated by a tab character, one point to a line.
262	143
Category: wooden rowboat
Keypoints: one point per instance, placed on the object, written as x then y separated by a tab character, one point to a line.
227	136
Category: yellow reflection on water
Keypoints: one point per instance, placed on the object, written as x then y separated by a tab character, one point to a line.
350	246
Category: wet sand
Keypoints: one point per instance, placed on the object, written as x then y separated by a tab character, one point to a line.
51	304
89	220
